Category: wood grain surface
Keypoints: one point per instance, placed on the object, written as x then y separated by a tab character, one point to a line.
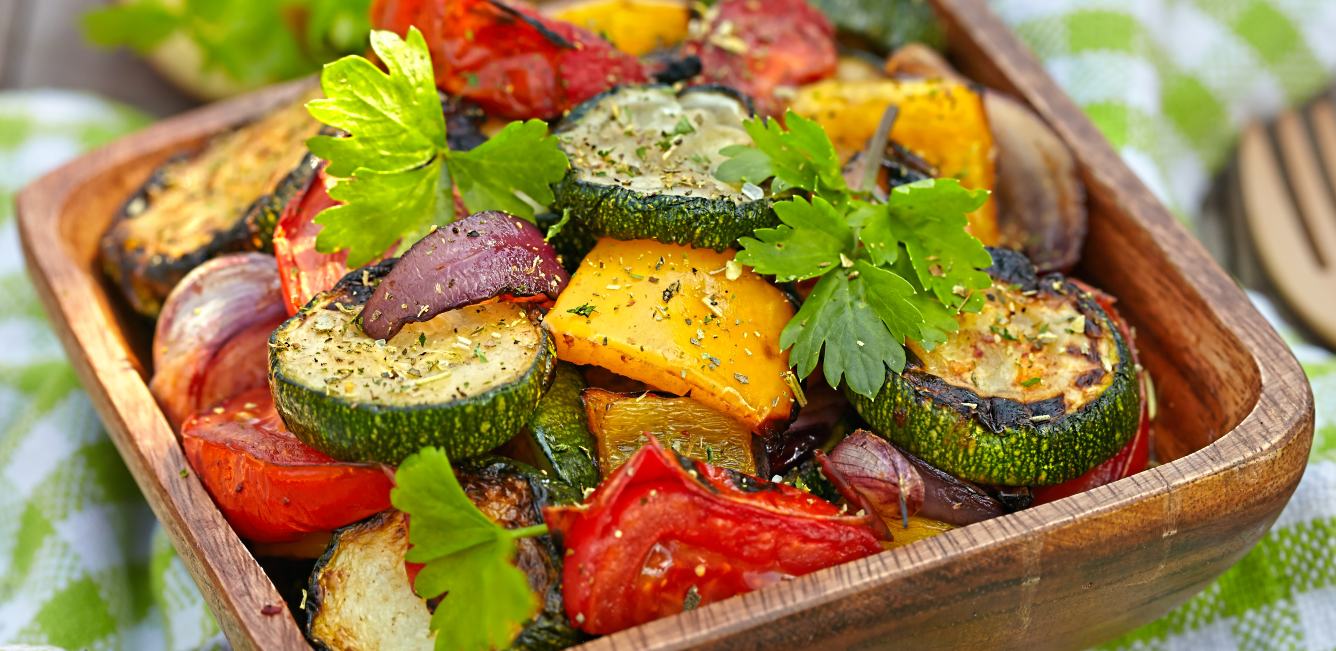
1234	425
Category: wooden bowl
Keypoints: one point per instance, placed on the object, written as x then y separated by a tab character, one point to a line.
1234	425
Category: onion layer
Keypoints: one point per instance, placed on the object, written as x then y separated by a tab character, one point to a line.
209	344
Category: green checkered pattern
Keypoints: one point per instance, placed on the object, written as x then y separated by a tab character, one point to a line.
1170	82
83	564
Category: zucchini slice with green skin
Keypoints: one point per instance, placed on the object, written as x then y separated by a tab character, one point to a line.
360	596
559	432
1035	389
223	199
642	167
465	381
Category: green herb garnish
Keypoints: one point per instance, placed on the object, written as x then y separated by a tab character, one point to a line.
465	555
890	272
395	173
583	310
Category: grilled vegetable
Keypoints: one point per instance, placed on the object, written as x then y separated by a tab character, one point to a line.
763	49
303	270
514	495
622	422
558	437
465	381
1134	456
642	166
272	487
469	261
636	27
1035	389
211	341
682	320
225	198
361	595
509	59
942	121
665	533
1040	196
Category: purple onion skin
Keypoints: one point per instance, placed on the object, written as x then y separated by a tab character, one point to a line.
479	257
226	298
882	476
951	500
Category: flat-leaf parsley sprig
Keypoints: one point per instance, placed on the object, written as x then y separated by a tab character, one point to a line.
395	174
465	555
889	272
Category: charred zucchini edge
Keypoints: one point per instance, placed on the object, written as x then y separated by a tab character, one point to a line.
934	420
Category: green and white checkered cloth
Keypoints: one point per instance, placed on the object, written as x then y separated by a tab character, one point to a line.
82	564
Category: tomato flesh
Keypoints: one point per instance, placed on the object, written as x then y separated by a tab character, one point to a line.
664	532
512	61
269	485
760	47
302	269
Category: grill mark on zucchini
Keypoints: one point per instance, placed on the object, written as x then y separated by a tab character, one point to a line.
466	381
642	166
222	199
1014	434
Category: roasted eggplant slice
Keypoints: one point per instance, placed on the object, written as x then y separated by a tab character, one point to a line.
1035	389
643	162
467	380
360	596
225	198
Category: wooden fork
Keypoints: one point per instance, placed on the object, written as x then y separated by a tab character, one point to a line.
1287	182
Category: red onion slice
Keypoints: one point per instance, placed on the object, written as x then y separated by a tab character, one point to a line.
209	342
482	256
872	473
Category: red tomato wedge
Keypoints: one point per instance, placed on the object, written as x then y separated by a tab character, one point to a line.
304	271
664	533
269	485
1134	456
511	60
760	47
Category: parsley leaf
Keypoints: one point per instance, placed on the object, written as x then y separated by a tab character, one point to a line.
931	220
801	156
521	162
807	243
395	173
858	347
891	272
467	557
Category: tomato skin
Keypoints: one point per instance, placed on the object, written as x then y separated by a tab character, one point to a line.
664	526
269	485
761	46
496	55
304	271
1135	456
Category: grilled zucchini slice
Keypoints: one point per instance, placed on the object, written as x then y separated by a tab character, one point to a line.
558	437
466	380
360	597
1035	389
222	199
642	167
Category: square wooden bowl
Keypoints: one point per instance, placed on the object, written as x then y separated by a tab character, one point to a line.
1234	425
